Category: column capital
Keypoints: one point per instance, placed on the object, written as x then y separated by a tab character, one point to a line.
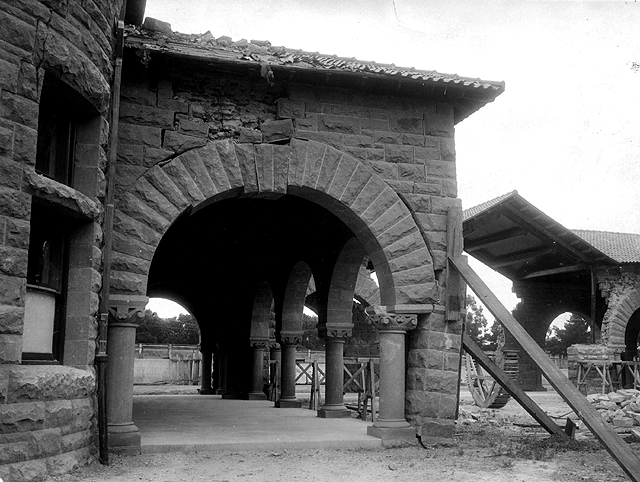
259	343
290	338
394	321
124	308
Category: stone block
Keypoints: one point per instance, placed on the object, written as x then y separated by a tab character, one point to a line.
441	205
447	149
438	125
441	169
180	143
288	109
405	124
332	139
156	25
24	144
444	342
399	154
374	124
22	417
411	172
145	115
128	283
11	319
41	383
389	218
17	233
375	155
17	33
427	153
309	123
432	359
381	138
359	153
29	471
339	124
250	136
275	131
140	135
9	75
12	290
404	228
192	127
420	402
385	170
415	277
362	141
317	108
413	140
65	463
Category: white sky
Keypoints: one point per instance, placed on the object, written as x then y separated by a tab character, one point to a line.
566	132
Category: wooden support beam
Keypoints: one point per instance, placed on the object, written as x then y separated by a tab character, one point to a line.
562	270
454	286
509	385
520	257
487	241
619	449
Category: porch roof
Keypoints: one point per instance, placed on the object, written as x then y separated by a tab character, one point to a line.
515	238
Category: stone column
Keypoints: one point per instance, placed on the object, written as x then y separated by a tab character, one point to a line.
222	371
124	436
334	376
257	371
288	342
275	354
205	382
391	422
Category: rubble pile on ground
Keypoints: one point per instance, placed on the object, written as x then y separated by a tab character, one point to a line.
621	408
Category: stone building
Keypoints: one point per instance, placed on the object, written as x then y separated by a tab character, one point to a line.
555	270
230	158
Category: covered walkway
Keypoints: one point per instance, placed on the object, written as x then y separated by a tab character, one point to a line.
186	423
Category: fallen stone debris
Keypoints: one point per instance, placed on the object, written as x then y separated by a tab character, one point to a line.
620	408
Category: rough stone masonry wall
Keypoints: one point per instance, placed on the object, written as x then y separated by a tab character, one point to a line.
620	286
46	411
408	142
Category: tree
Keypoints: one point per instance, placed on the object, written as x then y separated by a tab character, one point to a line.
310	338
475	322
175	331
576	330
487	337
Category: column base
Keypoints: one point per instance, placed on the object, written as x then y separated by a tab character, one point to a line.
206	391
295	403
256	396
394	436
233	396
221	391
337	412
124	439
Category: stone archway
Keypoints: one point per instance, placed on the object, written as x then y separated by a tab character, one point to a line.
617	317
171	199
308	169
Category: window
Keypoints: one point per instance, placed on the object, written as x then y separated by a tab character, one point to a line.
46	285
56	131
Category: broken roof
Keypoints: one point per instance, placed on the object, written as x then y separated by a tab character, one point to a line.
467	94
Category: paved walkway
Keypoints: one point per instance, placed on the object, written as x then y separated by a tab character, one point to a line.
185	423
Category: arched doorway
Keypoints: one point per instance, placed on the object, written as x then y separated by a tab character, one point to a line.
213	224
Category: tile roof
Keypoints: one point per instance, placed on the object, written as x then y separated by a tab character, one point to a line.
475	210
262	52
622	247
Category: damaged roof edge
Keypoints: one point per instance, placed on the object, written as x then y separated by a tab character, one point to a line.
473	93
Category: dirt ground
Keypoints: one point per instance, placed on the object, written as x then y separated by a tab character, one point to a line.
502	445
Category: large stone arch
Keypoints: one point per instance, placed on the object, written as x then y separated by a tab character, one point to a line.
614	326
384	225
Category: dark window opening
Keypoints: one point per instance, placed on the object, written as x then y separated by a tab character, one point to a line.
60	111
